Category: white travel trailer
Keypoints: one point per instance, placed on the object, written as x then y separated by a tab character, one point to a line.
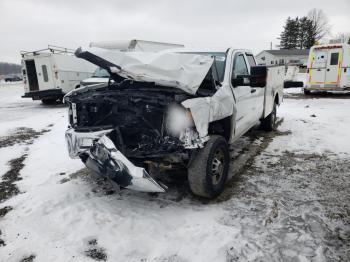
328	68
49	74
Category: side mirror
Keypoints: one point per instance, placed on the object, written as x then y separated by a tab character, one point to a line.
240	80
258	76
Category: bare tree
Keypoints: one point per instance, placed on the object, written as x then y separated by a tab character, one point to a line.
320	22
343	37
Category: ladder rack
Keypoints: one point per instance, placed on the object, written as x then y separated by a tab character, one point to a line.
50	49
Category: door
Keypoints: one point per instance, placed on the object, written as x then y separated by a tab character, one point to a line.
32	77
258	93
317	71
242	93
333	70
43	69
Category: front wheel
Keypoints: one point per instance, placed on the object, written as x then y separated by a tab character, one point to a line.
269	122
208	171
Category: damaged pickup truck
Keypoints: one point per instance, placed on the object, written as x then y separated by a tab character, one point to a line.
170	110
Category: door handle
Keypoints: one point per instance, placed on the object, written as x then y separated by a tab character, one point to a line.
327	69
252	90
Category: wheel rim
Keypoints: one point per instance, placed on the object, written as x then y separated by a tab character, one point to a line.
217	170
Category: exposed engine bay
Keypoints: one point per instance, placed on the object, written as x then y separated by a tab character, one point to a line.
142	119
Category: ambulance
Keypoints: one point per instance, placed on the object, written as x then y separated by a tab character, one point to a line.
328	68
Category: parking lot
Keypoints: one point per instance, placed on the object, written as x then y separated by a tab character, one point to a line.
288	198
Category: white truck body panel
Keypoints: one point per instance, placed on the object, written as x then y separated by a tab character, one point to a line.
186	70
53	71
329	68
245	105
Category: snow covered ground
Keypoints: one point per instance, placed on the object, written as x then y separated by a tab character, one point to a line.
288	199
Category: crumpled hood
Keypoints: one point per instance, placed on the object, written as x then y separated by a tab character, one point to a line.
179	70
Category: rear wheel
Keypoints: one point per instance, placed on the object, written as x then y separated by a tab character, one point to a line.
208	172
49	101
269	122
307	92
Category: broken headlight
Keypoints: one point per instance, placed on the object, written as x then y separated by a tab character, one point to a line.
178	119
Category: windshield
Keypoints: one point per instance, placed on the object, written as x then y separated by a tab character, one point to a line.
100	72
220	62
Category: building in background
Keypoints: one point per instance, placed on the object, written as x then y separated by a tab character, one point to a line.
282	57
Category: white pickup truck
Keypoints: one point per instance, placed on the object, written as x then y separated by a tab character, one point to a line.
170	110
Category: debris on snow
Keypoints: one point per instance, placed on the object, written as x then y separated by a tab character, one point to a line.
95	252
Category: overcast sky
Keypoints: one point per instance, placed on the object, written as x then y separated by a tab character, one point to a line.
252	24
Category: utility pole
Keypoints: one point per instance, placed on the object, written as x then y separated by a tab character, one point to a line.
270	45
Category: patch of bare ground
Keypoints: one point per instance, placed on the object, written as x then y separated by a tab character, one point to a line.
95	252
21	135
30	258
2	242
8	188
5	210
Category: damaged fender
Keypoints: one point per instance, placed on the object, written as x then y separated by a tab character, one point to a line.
208	109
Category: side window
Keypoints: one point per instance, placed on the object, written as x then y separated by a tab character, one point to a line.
239	66
334	58
45	75
251	60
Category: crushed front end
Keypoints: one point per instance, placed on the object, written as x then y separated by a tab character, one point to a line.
121	131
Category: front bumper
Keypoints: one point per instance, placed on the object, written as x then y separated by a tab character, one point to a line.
51	93
104	159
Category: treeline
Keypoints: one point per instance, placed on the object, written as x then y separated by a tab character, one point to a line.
304	32
298	33
8	68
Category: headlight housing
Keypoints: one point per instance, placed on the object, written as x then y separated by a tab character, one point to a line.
178	119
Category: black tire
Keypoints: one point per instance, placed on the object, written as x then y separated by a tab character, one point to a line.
208	171
49	101
307	92
269	122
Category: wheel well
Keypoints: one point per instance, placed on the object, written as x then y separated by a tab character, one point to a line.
221	127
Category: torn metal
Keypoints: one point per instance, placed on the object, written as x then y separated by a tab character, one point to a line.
101	156
183	71
208	109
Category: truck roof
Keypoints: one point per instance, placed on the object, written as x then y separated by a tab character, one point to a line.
206	50
330	46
